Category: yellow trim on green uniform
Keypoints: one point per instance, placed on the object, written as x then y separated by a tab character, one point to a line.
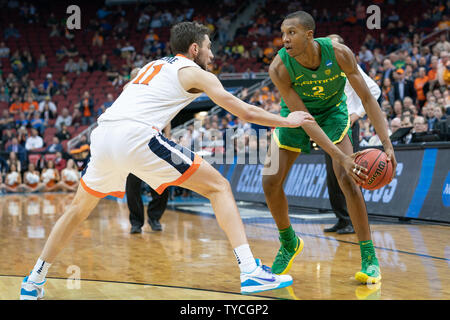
344	132
281	146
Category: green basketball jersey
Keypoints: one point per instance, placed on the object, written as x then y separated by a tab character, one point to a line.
319	89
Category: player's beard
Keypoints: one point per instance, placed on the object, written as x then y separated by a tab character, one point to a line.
202	64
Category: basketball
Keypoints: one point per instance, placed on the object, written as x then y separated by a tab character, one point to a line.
380	170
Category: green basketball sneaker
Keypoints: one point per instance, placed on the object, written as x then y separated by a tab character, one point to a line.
370	270
286	255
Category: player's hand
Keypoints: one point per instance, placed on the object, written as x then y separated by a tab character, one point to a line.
299	118
389	150
353	118
354	170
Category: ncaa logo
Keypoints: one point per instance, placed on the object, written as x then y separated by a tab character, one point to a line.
446	191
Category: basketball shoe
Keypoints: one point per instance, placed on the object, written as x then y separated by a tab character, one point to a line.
31	290
262	279
286	255
370	270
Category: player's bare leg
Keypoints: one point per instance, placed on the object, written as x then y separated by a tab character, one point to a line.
272	181
356	206
80	208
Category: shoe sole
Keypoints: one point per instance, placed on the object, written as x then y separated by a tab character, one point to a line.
266	287
297	252
366	279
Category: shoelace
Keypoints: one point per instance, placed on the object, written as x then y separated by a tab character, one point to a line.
283	254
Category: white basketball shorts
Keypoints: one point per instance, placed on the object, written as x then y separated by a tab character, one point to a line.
122	147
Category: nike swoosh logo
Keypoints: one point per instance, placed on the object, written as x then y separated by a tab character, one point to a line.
299	77
265	279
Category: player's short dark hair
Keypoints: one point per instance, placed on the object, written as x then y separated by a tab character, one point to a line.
338	37
304	18
183	34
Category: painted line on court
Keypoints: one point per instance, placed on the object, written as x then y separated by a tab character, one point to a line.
157	285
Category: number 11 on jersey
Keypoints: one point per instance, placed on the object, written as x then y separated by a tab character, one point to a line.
155	71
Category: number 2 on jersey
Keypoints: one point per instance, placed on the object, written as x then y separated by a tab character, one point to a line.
155	71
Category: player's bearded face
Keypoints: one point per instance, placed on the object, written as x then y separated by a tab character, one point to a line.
204	56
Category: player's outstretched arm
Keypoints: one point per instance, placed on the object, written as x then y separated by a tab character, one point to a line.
347	62
196	78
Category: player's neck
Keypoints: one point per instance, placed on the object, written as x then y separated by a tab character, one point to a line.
311	57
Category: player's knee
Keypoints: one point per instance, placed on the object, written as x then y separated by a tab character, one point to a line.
219	185
271	182
347	184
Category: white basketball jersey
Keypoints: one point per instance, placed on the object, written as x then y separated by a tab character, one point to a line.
154	96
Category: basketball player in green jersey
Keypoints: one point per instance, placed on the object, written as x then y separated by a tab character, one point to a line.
310	75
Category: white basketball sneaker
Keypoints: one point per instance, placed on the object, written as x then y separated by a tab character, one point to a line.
31	290
262	279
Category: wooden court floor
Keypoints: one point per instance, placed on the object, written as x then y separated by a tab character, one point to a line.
191	258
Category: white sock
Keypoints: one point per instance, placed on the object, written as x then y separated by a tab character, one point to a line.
39	271
245	258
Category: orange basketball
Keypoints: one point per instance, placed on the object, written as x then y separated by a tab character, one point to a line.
380	170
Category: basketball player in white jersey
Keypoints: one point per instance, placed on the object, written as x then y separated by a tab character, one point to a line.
128	139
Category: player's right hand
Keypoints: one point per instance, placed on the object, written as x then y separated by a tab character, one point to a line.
354	170
299	118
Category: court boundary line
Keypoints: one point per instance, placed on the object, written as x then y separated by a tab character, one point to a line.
157	285
258	224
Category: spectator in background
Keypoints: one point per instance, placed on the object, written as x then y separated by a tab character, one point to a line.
6	121
143	21
76	116
4	95
16	106
108	103
42	61
60	162
92	65
18	149
28	104
387	91
4	50
11	31
40	93
63	134
388	70
402	87
34	141
55	32
436	118
56	146
420	131
104	64
37	123
50	85
82	65
127	50
64	85
86	109
61	53
48	102
64	118
97	40
419	84
72	51
71	66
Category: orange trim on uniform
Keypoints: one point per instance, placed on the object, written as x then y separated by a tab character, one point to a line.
117	194
194	166
180	55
